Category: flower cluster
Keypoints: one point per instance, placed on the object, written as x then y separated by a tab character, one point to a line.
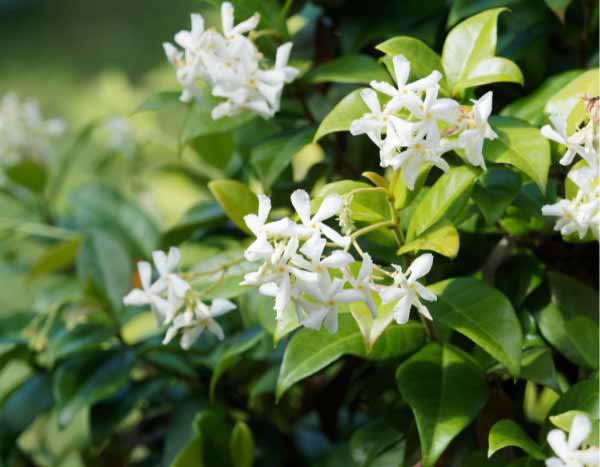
580	213
568	450
174	302
24	134
231	64
416	126
307	263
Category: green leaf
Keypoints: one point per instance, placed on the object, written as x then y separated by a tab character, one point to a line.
215	149
559	7
342	115
216	438
585	338
442	238
232	353
371	440
573	297
531	108
483	314
423	60
309	351
103	260
569	102
158	101
57	257
584	396
192	454
353	68
537	365
496	190
445	198
446	390
522	146
92	377
205	214
98	206
507	433
242	445
273	156
29	174
463	8
305	159
21	407
492	70
469	50
236	199
84	337
369	207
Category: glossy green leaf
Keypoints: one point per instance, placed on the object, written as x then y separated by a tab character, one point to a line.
442	238
445	198
371	440
232	353
569	102
84	337
192	454
371	206
584	335
564	422
242	445
496	190
57	257
21	407
573	297
88	379
342	115
531	107
353	68
483	314
508	433
273	156
469	50
446	390
98	206
464	8
309	351
236	199
215	149
103	260
522	146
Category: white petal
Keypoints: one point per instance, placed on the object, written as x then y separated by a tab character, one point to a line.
554	462
334	236
402	310
401	69
190	336
283	294
371	100
160	262
558	442
179	285
338	259
385	88
227	18
145	273
301	202
136	297
391	293
420	266
173	258
348	296
330	206
264	207
313	247
247	25
331	320
425	293
283	55
365	268
220	306
269	289
581	428
315	319
253	222
215	328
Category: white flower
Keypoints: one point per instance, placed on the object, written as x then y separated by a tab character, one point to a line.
408	291
363	283
431	109
402	91
175	286
579	143
195	319
567	450
326	295
477	129
24	134
149	294
257	223
227	21
330	206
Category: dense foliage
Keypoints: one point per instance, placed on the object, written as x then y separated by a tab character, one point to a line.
349	235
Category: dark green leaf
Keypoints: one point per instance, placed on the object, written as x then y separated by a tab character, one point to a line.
507	433
446	390
242	445
496	190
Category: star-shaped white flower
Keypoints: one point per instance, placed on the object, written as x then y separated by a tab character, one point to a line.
175	286
195	319
408	291
568	449
230	30
363	283
330	206
149	294
477	130
579	143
